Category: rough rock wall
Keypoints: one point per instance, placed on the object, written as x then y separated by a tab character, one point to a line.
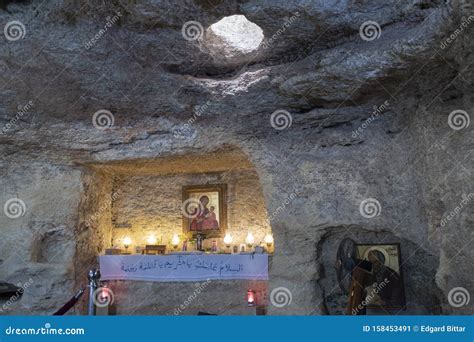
214	297
398	167
167	97
443	167
94	226
38	242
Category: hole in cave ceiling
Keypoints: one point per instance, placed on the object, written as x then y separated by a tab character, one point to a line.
233	40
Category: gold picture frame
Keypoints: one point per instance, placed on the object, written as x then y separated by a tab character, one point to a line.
204	210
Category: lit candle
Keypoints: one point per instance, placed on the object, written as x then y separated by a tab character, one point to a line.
127	242
268	239
250	297
228	240
175	241
249	240
151	240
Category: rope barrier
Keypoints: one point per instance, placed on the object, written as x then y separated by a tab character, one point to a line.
94	282
66	307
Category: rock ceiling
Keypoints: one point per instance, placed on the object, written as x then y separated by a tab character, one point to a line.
153	81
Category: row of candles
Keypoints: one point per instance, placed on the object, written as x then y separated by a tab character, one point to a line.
249	240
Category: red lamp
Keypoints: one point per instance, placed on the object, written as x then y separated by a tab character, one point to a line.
104	295
251	298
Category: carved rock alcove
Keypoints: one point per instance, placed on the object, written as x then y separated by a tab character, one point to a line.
140	198
419	267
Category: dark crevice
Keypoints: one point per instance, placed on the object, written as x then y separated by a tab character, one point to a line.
394	131
130	141
4	3
427	4
209	71
342	143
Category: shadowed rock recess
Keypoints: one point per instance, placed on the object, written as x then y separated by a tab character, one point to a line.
342	101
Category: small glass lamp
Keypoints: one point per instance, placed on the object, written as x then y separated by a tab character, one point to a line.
250	297
268	240
228	240
249	240
127	241
175	241
151	240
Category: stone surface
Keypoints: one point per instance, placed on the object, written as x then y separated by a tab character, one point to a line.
153	206
147	298
169	98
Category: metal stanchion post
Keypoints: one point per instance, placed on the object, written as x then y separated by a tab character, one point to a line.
94	277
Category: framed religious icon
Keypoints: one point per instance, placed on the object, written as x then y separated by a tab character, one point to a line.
204	210
383	286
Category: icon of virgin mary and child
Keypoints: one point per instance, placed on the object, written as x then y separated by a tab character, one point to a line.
204	217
